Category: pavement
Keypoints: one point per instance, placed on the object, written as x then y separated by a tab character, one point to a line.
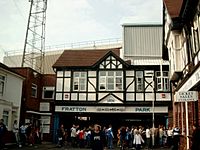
50	146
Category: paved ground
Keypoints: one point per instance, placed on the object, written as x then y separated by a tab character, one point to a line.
50	146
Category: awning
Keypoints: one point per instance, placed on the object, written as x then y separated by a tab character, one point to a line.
38	113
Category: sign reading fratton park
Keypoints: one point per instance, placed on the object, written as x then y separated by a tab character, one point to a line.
111	109
186	96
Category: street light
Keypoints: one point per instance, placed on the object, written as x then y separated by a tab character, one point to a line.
153	115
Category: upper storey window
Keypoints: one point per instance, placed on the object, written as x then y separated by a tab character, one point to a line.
2	84
79	81
162	81
139	81
111	80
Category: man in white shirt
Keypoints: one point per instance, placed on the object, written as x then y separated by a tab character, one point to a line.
16	132
73	135
148	137
169	136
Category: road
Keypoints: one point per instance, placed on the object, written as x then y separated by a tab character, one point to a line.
50	146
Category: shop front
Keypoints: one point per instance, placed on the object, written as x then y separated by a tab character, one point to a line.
117	116
186	110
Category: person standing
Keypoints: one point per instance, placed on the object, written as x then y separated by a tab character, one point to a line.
61	133
16	132
176	138
3	130
29	134
169	136
110	137
148	137
73	135
97	138
22	134
138	141
195	138
81	138
161	134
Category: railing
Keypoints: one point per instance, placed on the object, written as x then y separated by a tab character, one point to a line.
84	44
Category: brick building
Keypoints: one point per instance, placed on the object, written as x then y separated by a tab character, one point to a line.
37	99
181	34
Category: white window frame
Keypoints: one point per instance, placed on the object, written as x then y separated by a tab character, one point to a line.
34	87
48	88
196	41
104	81
2	83
139	84
162	81
5	115
78	79
177	42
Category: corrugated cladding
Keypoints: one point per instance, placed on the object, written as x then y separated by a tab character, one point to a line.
143	41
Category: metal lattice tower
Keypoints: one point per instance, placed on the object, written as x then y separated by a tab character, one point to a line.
34	45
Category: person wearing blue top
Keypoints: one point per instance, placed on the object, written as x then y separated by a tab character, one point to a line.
110	137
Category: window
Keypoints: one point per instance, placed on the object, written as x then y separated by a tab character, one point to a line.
139	81
2	84
110	80
162	81
196	41
34	90
79	81
5	117
48	92
177	41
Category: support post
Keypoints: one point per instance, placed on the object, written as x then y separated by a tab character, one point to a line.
187	125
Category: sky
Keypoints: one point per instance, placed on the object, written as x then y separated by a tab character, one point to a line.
71	21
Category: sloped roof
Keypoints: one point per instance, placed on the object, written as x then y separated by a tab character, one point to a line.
173	7
82	58
10	70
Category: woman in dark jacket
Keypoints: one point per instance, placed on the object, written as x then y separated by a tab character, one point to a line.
97	138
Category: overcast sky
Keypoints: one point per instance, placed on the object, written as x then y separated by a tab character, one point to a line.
75	20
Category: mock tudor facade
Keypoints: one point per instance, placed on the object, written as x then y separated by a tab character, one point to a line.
98	86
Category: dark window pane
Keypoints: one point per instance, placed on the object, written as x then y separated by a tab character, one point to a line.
48	94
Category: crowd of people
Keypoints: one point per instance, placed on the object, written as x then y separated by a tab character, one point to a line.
99	138
96	137
26	134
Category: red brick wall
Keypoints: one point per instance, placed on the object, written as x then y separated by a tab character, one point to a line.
179	118
30	103
49	80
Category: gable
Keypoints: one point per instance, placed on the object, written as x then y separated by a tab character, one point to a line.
111	61
110	99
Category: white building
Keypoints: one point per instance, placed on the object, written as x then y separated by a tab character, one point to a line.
10	95
142	43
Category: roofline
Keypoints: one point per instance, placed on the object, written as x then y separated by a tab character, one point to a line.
96	49
25	68
8	69
142	25
103	49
